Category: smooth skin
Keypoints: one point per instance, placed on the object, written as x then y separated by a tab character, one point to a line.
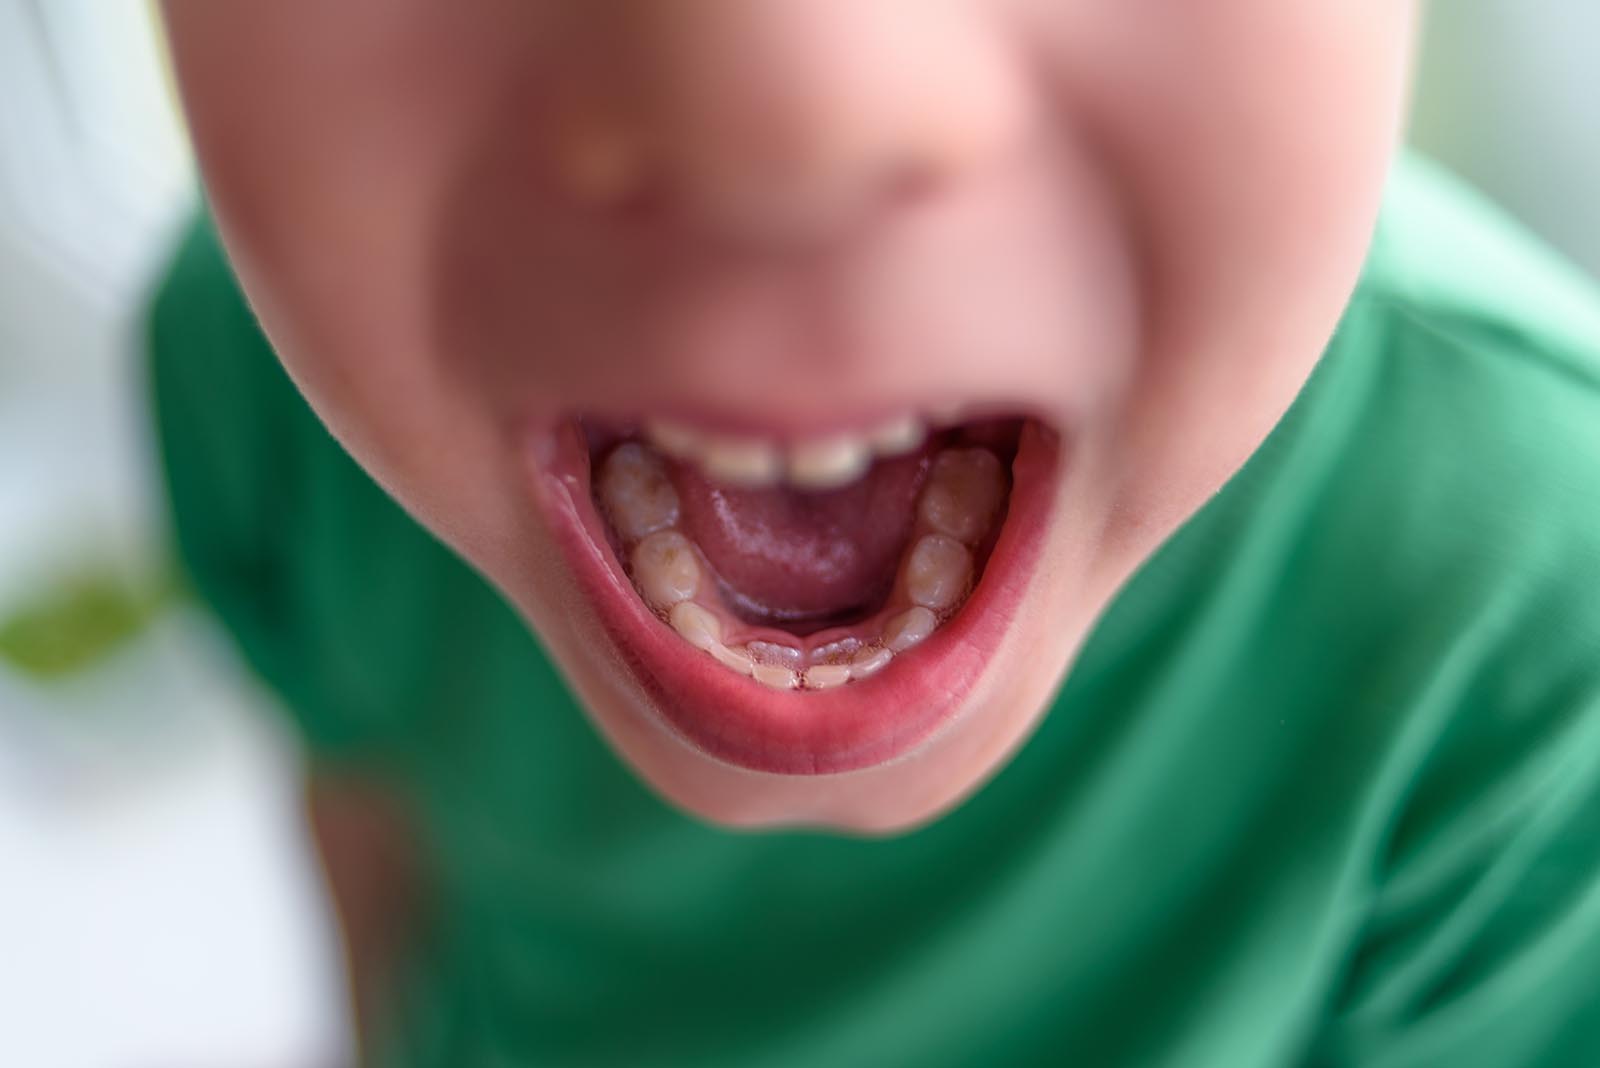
459	220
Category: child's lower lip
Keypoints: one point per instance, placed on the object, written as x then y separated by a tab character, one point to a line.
740	722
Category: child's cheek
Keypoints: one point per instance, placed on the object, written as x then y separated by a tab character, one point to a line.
326	134
1250	140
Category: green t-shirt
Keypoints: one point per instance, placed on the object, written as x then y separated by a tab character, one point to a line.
1323	787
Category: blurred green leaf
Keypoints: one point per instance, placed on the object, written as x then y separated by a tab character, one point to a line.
81	619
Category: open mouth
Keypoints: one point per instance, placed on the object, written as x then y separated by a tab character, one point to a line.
803	606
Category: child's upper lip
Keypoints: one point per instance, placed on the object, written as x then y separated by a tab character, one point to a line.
677	426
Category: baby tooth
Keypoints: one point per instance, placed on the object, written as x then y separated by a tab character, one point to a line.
742	463
827	676
696	625
964	489
776	677
775	654
842	647
938	572
674	439
638	497
666	569
909	628
828	463
736	659
899	436
869	662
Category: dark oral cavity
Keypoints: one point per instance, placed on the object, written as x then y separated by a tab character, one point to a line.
805	588
804	559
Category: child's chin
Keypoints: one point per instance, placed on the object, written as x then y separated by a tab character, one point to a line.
892	798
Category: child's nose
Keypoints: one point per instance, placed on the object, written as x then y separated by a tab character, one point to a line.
787	120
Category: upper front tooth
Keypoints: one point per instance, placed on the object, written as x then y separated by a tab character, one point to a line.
937	572
827	463
898	436
742	462
666	569
674	439
638	497
964	489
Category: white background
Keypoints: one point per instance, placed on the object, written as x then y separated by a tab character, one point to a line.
158	904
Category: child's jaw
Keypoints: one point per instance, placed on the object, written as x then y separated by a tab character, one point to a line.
1146	234
789	691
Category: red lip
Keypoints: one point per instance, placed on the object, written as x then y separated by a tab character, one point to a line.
743	723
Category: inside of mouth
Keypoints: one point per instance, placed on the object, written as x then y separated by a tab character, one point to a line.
806	588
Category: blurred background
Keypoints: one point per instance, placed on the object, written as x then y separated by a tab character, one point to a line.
159	904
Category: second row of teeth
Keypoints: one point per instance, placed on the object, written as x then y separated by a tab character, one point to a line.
955	511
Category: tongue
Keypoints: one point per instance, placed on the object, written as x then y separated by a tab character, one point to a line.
790	556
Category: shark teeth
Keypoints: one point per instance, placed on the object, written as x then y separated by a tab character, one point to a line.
956	511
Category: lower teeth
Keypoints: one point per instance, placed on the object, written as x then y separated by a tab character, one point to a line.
909	629
955	511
